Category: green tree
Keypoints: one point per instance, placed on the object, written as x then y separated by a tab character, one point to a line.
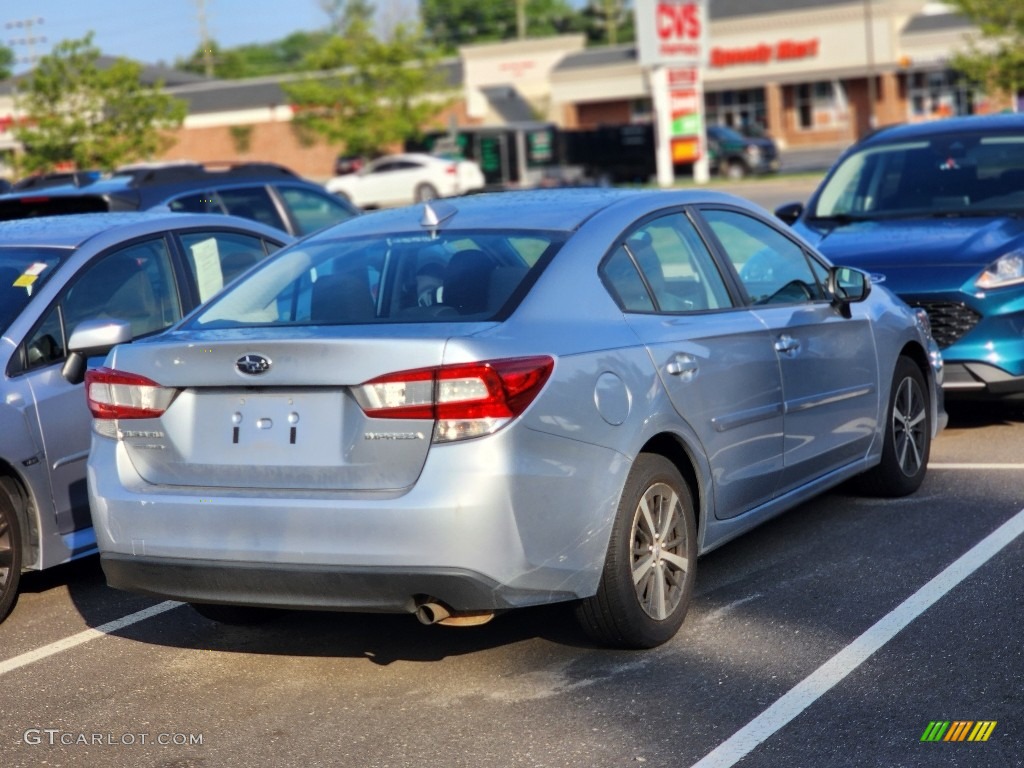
369	93
77	112
608	22
451	23
996	57
290	54
6	62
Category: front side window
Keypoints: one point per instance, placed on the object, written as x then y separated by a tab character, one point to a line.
664	266
134	284
406	278
772	268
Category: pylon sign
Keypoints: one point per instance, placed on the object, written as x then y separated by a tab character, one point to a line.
671	44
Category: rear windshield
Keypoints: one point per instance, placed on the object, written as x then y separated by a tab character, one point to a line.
23	271
410	278
30	206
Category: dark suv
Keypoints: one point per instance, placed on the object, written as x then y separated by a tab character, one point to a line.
734	155
264	192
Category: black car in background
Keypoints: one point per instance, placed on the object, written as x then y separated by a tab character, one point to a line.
734	155
264	192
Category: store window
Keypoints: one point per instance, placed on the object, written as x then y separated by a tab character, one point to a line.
939	94
743	110
819	106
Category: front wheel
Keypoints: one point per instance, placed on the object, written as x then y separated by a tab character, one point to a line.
10	551
908	436
651	565
735	170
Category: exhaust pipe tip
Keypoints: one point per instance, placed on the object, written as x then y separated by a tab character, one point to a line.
434	612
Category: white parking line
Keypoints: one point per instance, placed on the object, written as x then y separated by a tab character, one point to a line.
30	657
954	465
819	682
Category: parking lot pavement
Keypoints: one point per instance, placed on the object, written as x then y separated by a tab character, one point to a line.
773	608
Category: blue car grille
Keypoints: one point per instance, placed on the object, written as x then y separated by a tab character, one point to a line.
951	320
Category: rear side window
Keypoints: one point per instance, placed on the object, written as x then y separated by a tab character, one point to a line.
252	203
216	258
664	266
414	278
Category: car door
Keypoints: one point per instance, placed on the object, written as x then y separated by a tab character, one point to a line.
828	361
134	283
714	357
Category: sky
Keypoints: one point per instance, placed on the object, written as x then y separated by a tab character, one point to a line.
159	31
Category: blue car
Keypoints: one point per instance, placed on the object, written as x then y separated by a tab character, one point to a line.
477	404
934	212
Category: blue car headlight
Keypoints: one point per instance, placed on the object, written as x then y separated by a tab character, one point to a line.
1006	270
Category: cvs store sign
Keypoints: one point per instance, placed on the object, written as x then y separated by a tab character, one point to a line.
671	31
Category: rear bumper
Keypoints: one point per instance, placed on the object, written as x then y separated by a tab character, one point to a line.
479	531
309	587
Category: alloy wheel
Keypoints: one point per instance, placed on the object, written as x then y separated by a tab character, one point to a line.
659	552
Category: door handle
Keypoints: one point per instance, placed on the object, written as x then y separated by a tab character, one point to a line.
787	345
683	365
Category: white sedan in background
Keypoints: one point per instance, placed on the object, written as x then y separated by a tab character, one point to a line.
407	178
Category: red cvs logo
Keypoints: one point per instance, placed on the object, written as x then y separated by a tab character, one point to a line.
678	20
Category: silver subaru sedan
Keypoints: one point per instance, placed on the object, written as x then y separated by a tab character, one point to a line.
472	405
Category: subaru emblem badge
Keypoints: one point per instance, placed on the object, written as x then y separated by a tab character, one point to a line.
253	365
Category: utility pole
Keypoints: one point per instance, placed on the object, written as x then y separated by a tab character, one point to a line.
204	39
28	39
521	19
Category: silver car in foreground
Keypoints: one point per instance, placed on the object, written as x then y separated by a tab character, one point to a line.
63	274
468	406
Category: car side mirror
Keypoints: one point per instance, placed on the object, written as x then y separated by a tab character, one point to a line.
90	339
789	212
847	286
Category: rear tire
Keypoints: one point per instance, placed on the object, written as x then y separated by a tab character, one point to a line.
425	192
235	615
649	571
908	436
10	551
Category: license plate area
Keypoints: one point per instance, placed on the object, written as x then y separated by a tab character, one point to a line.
299	423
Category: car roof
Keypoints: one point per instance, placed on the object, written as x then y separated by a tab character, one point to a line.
1008	123
155	178
563	209
72	230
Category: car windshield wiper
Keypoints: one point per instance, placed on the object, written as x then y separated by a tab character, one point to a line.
968	213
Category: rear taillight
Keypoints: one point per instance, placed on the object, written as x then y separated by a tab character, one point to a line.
466	400
114	395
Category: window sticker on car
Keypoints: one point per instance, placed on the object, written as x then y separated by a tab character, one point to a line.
208	271
30	275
